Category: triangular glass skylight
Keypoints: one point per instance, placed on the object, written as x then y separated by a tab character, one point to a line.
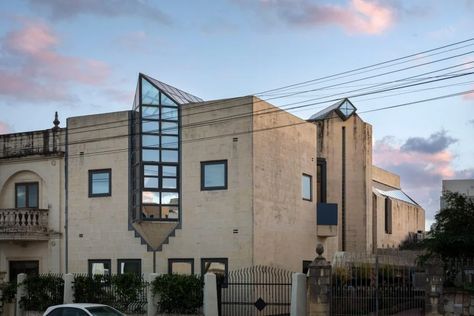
346	109
150	94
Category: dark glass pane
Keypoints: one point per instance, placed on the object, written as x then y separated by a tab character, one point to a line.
169	171
306	185
150	155
150	127
130	266
150	95
169	156
169	114
151	112
151	197
150	170
103	311
169	128
214	175
21	196
169	142
151	183
169	183
100	183
167	101
151	141
100	267
33	195
169	198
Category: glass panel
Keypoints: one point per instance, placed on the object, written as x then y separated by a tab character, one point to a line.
100	268
151	212
169	156
151	183
169	198
100	183
33	195
169	128
151	197
151	141
169	212
21	196
130	266
306	185
151	112
150	155
214	175
169	183
150	94
169	142
150	127
167	101
169	114
169	171
102	311
216	267
181	268
150	170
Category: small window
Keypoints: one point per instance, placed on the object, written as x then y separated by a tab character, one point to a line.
321	181
214	175
219	266
181	266
306	264
99	266
126	266
26	195
388	216
307	187
100	182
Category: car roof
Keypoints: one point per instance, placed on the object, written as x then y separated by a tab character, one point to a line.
82	305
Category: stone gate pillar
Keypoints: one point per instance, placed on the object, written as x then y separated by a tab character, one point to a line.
319	285
434	286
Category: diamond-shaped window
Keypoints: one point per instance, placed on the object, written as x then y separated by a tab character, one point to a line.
346	109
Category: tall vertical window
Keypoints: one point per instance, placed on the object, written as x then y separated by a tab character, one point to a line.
100	182
307	187
26	195
321	181
388	215
214	175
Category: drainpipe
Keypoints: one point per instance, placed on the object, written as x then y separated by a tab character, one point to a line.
66	249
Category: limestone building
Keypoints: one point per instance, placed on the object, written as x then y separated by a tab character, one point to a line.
183	185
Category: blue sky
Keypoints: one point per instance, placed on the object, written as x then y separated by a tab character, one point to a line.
82	57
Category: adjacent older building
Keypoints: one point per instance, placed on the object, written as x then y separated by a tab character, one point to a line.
181	185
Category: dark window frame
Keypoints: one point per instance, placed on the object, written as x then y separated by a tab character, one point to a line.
305	175
225	261
214	162
180	260
322	196
119	261
63	309
305	266
93	171
27	196
92	261
13	263
388	215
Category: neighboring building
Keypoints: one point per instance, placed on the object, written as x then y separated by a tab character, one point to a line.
183	185
465	186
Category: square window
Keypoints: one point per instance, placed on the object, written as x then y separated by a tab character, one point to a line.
100	182
307	187
26	195
133	266
218	266
214	175
181	266
99	266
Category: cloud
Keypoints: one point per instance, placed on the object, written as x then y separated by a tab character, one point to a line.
421	163
65	9
37	72
471	122
358	16
5	128
436	143
469	96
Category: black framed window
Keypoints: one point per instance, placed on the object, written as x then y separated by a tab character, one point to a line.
67	311
388	216
321	180
125	266
214	175
181	266
30	267
27	195
307	187
99	266
100	182
305	267
216	265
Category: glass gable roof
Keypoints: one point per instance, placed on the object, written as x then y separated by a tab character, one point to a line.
176	94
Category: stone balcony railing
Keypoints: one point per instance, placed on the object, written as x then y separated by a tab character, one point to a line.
23	224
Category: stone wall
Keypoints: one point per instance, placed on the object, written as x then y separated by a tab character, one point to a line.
458	302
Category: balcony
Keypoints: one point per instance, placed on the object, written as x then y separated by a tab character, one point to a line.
23	224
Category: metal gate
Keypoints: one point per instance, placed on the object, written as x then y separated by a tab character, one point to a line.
258	290
376	286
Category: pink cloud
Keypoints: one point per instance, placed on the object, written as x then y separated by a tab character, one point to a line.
41	69
358	16
469	96
5	128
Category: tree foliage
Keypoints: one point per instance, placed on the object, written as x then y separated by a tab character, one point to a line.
452	235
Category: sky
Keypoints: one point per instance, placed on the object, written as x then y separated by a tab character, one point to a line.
83	57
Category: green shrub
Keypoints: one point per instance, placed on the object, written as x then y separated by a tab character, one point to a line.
42	292
92	289
128	290
8	292
178	293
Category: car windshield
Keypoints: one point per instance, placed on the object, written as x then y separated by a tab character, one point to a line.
103	311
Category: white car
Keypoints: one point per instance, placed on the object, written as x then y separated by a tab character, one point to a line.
82	309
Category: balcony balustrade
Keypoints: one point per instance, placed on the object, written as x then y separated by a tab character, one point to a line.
23	224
